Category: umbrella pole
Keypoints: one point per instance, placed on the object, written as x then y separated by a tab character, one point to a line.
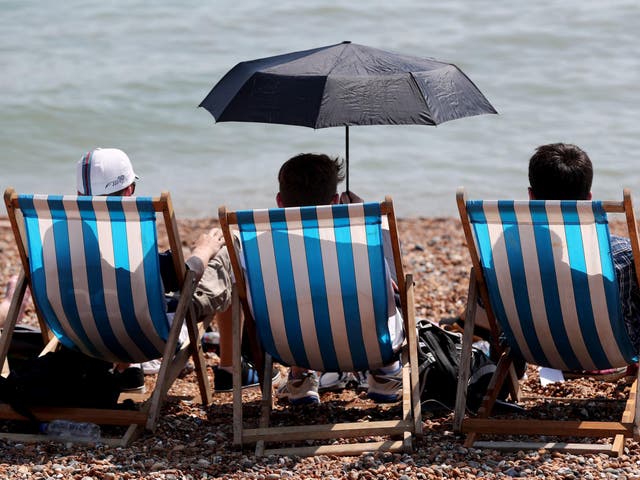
347	153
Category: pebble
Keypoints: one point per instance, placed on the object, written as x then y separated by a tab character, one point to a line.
195	443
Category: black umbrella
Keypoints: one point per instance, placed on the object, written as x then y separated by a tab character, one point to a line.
345	84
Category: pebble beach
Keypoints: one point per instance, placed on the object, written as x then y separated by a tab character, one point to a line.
194	442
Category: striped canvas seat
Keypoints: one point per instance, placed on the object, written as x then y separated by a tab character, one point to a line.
95	274
93	269
543	272
316	293
551	281
318	285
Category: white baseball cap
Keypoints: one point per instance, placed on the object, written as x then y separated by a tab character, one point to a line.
104	171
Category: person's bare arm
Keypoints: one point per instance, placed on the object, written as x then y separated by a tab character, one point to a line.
206	247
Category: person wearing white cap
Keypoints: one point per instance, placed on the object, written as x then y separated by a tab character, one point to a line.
108	171
105	171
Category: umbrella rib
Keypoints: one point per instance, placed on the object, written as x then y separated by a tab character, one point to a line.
335	64
424	95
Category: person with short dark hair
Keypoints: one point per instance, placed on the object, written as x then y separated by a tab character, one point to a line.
312	179
560	171
309	179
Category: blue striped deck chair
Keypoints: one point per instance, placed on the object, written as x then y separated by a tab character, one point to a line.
93	269
546	277
314	284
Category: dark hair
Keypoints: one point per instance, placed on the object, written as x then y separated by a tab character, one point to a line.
560	171
309	179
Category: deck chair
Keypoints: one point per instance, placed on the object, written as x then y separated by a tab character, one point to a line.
545	274
92	266
314	282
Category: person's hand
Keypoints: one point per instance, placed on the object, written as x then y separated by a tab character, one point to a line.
208	244
350	197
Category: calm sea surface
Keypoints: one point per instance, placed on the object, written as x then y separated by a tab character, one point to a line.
130	74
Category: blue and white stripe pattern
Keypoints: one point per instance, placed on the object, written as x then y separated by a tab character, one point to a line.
95	273
551	281
318	284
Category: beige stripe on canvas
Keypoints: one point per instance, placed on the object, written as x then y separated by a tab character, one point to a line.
363	283
303	289
80	280
596	284
565	285
50	265
534	286
105	242
501	264
334	289
271	286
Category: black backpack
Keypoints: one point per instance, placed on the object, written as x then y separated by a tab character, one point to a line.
439	359
61	378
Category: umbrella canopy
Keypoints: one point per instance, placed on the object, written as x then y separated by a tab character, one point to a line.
345	84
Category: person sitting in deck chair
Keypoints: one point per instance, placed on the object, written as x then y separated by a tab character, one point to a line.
108	171
560	171
312	179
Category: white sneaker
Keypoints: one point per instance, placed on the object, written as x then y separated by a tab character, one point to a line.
334	381
151	367
385	387
360	380
301	391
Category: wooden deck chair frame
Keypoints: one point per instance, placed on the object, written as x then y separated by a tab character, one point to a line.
173	359
411	422
627	426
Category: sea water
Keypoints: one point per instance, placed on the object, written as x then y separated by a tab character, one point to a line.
130	74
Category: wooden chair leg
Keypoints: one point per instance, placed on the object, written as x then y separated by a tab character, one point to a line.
412	345
495	384
12	316
635	392
237	368
169	357
464	371
514	385
406	398
266	402
198	358
493	390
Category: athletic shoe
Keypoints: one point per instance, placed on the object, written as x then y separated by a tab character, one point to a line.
131	379
151	367
359	380
301	391
334	381
223	380
384	387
